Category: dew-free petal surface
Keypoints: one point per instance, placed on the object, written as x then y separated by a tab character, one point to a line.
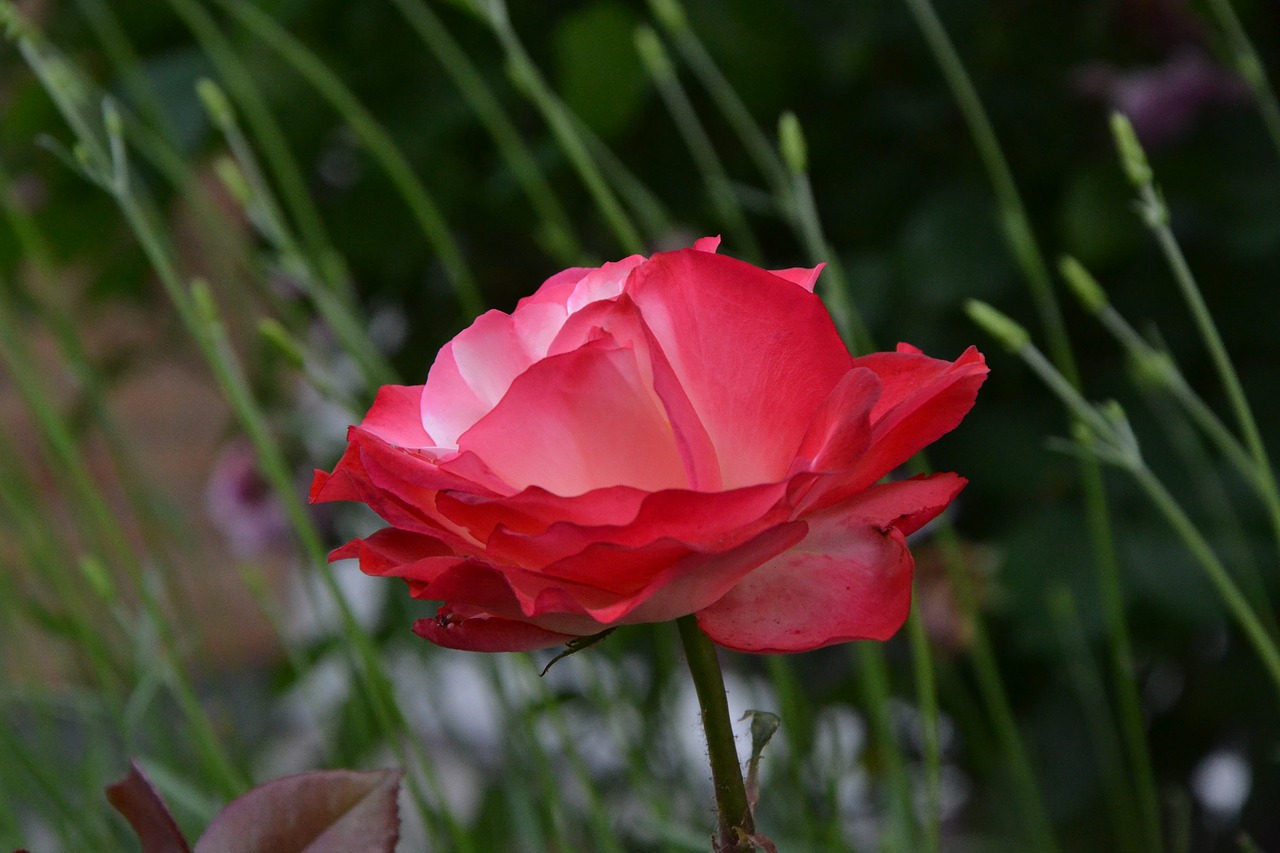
847	580
755	354
579	421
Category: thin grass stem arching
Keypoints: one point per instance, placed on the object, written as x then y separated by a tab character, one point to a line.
379	142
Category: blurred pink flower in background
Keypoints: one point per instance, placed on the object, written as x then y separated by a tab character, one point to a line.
240	504
1163	102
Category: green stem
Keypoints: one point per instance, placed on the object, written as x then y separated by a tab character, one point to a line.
1021	238
1120	657
338	311
873	678
1159	366
1114	443
266	132
714	177
671	15
1098	721
1249	65
1013	215
557	232
381	146
1156	215
736	823
1231	595
927	695
558	117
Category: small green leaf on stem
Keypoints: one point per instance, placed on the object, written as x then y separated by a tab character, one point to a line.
763	727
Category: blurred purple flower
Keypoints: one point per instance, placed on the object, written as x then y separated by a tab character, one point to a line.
1164	101
240	504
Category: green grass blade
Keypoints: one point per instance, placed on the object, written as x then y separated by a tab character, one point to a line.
558	234
376	138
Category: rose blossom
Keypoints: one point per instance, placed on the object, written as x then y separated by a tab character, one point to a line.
656	437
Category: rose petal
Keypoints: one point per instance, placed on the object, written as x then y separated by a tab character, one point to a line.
390	548
510	593
396	417
676	581
484	633
684	587
906	504
621	321
922	399
806	277
908	377
475	369
579	421
400	485
755	354
575	288
701	520
840	431
848	580
532	510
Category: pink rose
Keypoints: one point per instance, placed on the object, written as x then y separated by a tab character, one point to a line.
680	434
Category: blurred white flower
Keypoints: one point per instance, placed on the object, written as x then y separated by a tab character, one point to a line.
1221	782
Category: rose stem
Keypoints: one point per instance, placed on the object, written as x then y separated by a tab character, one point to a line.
736	824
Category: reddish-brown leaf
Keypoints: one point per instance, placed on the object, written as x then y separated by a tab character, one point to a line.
328	811
147	813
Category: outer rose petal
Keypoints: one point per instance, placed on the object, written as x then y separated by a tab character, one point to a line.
806	277
906	504
679	581
840	431
848	580
484	633
388	549
907	374
922	399
400	485
706	521
396	417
